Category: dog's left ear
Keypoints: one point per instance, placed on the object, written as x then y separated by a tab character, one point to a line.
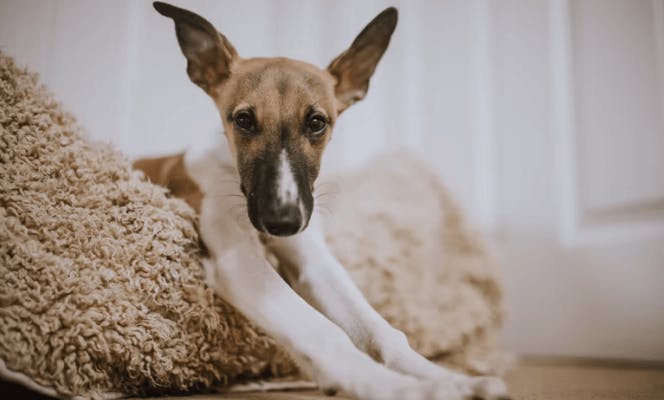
209	54
354	67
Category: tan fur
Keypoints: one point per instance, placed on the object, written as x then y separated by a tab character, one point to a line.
170	172
281	91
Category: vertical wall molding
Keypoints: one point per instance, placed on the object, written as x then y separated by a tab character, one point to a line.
658	32
563	121
485	135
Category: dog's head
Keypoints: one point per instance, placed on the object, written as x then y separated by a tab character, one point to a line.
278	113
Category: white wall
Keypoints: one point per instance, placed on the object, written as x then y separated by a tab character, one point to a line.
118	67
545	118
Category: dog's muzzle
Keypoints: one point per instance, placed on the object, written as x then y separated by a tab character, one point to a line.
283	220
279	201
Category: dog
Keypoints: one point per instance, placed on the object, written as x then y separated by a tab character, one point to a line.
278	115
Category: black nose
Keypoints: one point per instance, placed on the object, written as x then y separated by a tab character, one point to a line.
283	222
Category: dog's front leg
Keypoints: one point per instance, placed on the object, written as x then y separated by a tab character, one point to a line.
244	278
312	270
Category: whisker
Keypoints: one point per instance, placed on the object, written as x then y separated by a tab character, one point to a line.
327	189
323	198
321	207
323	213
226	195
323	201
326	183
324	194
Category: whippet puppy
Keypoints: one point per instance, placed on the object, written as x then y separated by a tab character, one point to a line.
278	115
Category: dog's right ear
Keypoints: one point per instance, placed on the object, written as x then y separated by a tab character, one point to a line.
209	54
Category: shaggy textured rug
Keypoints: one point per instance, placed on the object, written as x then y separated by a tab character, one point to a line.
102	292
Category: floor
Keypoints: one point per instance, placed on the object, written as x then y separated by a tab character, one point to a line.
538	379
532	379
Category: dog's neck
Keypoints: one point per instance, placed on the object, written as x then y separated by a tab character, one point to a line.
210	159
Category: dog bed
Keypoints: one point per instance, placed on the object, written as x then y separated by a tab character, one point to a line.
102	293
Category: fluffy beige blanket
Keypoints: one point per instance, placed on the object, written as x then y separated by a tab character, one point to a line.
101	289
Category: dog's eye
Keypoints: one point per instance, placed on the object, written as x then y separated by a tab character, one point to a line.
316	125
245	120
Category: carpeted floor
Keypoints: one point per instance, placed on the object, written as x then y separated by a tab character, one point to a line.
540	379
532	379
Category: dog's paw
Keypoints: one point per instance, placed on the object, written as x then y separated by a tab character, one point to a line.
469	389
484	388
427	390
480	388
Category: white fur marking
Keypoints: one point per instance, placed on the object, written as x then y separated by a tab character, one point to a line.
300	206
286	186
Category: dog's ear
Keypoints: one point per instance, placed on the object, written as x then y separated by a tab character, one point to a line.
354	67
209	54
